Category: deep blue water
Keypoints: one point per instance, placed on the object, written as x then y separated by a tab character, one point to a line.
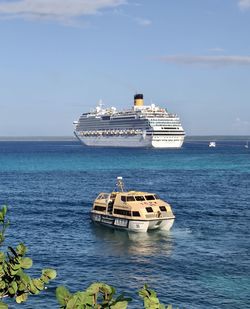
204	262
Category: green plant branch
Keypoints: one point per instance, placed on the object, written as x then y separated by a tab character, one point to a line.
14	281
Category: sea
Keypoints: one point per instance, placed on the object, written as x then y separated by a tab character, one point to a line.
203	262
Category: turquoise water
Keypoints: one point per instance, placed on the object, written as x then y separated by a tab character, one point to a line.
202	263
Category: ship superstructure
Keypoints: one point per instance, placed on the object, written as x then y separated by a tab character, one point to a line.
141	126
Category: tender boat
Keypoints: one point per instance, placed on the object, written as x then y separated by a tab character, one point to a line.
132	210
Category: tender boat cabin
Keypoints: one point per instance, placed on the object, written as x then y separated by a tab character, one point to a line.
136	210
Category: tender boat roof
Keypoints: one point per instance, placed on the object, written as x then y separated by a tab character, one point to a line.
137	193
130	193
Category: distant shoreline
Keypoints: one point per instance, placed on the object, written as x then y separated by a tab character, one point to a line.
73	138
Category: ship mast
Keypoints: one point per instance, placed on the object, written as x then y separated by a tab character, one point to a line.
120	184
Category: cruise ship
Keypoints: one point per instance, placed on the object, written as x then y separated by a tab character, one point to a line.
140	126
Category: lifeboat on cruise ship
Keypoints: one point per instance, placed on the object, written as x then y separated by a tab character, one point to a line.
132	210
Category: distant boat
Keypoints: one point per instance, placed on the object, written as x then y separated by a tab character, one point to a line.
246	145
212	144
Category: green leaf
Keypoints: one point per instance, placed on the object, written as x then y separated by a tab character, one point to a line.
14	268
21	249
21	287
21	298
14	286
107	289
50	273
38	284
63	295
94	288
85	299
2	285
143	293
32	288
11	292
120	305
73	303
26	263
24	277
44	279
4	210
2	256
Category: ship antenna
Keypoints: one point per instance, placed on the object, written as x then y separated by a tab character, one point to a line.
120	184
100	103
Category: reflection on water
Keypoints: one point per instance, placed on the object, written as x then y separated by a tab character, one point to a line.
121	242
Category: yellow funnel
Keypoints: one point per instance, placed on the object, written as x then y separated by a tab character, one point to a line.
138	100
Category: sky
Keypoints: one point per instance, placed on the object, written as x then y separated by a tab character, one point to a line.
58	58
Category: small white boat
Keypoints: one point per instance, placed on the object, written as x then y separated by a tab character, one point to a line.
212	144
246	145
132	210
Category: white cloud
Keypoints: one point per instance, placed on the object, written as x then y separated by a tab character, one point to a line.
207	60
244	4
143	22
59	10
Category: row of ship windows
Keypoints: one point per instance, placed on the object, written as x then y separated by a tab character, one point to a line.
133	130
111	133
113	126
127	212
95	120
166	139
128	198
164	123
139	198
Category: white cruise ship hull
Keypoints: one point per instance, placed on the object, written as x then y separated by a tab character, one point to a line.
135	141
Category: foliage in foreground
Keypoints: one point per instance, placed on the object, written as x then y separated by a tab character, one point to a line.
97	295
100	295
14	281
151	300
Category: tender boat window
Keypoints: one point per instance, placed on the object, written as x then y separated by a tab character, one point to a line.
136	214
123	198
149	209
163	208
102	196
139	198
130	199
149	197
122	212
156	197
100	208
